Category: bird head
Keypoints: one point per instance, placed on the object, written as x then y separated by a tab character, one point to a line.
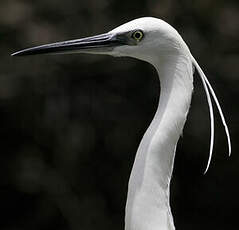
144	38
148	39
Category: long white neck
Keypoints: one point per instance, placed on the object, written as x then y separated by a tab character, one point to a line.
147	205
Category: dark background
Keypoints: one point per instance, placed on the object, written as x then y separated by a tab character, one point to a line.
71	124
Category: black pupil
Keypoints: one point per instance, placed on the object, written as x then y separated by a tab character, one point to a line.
137	35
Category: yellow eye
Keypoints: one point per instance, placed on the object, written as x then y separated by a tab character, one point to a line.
138	35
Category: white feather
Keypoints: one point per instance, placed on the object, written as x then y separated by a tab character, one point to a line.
207	87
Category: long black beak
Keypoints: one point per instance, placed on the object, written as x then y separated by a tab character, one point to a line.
101	44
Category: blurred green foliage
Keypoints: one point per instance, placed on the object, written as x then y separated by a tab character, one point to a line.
70	125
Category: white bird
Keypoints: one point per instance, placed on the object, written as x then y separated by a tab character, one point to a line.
154	41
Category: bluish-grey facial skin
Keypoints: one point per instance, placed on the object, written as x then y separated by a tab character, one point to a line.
102	43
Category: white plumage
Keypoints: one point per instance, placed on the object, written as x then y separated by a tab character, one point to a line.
154	41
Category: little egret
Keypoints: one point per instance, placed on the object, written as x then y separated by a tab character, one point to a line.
154	41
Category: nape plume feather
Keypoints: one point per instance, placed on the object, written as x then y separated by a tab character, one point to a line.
208	89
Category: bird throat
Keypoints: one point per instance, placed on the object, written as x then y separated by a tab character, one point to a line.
148	205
